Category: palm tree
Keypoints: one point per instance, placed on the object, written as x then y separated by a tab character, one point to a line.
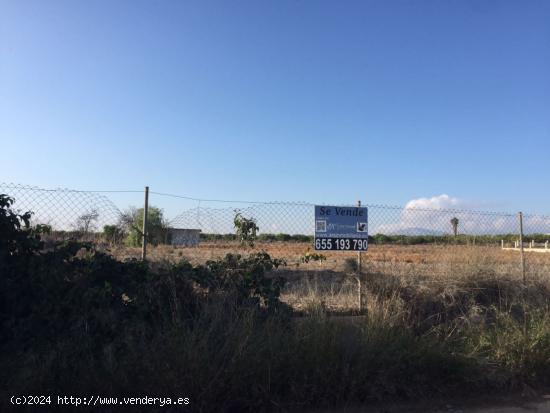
454	223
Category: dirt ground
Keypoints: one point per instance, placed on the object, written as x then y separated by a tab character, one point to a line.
331	282
293	252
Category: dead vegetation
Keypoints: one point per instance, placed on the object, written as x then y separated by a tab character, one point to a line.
446	273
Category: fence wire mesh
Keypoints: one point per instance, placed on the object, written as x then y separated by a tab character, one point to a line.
63	209
436	244
67	209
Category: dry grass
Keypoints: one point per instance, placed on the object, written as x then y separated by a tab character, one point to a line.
441	321
418	269
293	251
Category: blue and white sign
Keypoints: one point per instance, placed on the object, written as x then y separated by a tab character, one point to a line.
341	228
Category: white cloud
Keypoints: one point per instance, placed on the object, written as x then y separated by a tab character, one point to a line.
442	201
432	216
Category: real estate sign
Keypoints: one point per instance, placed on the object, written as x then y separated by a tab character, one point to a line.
341	228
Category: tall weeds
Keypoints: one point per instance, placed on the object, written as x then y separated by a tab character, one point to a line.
78	322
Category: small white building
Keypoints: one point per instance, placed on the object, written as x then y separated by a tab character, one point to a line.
184	237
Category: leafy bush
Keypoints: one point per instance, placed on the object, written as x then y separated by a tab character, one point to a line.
244	277
132	222
113	234
246	229
16	235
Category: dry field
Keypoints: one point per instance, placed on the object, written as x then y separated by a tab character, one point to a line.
417	270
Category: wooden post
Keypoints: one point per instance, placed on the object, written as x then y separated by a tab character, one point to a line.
144	228
521	246
502	244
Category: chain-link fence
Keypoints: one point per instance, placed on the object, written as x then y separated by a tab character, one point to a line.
64	209
437	244
73	210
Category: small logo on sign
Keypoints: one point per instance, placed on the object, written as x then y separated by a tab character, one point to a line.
321	226
361	227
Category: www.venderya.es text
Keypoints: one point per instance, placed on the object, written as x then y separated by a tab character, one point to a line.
95	400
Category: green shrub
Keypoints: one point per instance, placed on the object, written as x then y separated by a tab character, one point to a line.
113	234
132	220
244	277
246	229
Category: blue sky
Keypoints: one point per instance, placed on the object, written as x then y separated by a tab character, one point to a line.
384	101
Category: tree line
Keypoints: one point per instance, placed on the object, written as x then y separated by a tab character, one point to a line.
128	231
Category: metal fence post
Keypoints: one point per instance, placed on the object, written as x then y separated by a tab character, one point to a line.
360	279
521	246
144	228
